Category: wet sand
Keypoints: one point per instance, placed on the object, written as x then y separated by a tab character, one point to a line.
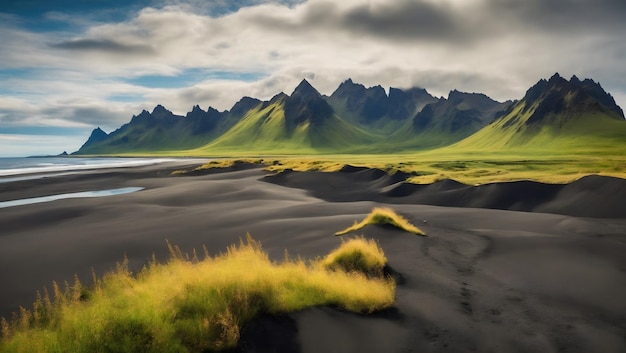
483	280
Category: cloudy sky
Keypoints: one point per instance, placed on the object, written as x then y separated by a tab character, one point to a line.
68	66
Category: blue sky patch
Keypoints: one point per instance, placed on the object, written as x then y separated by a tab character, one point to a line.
190	77
43	130
125	98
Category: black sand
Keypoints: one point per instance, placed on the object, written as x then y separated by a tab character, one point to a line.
591	196
484	280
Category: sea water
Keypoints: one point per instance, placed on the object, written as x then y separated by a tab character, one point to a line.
17	169
19	166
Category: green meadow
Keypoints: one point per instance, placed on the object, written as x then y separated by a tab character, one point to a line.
506	150
477	167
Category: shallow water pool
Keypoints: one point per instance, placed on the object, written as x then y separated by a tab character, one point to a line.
73	195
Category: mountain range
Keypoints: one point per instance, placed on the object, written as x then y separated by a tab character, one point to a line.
566	115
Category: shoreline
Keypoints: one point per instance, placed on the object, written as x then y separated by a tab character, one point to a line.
592	196
483	279
35	170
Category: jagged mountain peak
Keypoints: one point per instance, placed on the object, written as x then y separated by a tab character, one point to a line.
196	113
357	116
245	100
373	105
556	78
97	135
159	109
243	105
566	114
305	90
279	97
458	116
348	88
456	93
143	113
412	90
457	97
558	94
97	131
348	83
306	104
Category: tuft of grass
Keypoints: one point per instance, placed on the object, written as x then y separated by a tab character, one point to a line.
186	304
383	215
219	164
227	163
357	255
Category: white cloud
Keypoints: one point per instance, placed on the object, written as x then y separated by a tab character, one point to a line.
498	47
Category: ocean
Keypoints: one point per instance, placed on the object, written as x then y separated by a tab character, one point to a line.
17	169
18	166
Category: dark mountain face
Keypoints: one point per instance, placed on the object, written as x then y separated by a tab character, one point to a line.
196	113
363	105
460	115
159	130
243	106
160	111
97	136
403	104
558	98
305	104
159	116
305	92
370	105
558	114
356	116
202	122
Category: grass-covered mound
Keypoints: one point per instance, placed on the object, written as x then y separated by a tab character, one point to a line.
357	255
186	304
383	215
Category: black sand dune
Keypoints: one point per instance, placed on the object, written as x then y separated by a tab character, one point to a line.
484	280
590	196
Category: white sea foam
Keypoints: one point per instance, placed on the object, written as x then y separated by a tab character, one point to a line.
35	165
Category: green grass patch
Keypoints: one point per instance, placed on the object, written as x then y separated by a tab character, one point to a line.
221	163
227	163
187	304
357	255
380	215
468	167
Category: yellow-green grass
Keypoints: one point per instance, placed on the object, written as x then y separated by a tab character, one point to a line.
227	163
383	215
562	149
186	304
358	254
471	168
220	164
